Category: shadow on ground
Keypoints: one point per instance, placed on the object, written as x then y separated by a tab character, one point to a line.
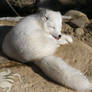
3	31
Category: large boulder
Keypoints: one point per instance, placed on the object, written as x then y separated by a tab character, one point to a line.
22	3
78	19
78	55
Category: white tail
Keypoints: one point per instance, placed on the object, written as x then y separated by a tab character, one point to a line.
62	73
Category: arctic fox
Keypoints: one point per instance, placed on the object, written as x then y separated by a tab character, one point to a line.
36	38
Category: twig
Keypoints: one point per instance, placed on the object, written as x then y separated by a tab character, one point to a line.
12	8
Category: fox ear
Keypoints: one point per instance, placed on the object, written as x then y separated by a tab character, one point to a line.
44	17
42	11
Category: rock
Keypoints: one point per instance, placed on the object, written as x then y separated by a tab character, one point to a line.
79	31
67	29
17	7
79	19
89	26
33	80
22	3
73	2
77	54
26	7
30	2
68	2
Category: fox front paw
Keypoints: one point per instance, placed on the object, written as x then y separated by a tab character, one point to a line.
65	39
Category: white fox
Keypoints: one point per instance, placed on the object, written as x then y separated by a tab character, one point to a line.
36	38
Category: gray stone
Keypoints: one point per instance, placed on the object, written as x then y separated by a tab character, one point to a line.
79	19
77	54
79	31
73	2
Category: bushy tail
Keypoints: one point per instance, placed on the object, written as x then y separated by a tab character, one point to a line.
62	73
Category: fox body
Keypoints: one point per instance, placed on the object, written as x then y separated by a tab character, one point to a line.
37	37
31	38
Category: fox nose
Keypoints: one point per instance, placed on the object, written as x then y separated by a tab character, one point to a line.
59	36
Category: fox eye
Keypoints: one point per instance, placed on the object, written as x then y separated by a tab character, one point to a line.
53	27
46	17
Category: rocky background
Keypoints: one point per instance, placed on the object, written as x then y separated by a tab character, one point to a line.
25	7
78	54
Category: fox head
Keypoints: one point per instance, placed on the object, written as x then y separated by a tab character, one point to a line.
52	22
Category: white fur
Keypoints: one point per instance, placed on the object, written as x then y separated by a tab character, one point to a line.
34	38
64	74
